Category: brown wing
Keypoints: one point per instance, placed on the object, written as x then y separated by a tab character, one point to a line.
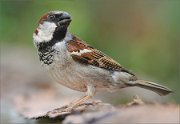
86	54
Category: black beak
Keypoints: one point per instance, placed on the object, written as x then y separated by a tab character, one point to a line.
65	16
64	20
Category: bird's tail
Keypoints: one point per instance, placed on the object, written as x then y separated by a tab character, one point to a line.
159	89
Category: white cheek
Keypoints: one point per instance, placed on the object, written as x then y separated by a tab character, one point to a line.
45	32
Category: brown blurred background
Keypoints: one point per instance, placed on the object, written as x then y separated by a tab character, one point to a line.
144	36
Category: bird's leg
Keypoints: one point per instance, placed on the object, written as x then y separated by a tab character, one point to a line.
90	93
77	101
83	99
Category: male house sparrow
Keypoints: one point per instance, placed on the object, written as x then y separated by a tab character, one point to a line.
75	64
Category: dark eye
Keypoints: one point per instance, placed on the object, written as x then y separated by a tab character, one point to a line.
52	17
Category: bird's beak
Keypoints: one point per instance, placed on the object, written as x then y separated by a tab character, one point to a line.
64	20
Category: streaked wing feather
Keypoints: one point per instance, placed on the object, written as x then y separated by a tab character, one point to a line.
95	57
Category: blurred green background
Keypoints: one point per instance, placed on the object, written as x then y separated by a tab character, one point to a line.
142	35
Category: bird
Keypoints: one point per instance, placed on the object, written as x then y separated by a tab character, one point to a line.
77	65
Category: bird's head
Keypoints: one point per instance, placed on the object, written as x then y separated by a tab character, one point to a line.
52	25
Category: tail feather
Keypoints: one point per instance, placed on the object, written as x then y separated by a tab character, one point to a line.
159	89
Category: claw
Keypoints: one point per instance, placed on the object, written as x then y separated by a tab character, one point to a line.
69	109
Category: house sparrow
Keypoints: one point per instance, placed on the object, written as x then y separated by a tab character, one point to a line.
77	65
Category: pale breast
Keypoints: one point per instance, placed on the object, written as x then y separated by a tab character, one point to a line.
77	77
62	69
74	75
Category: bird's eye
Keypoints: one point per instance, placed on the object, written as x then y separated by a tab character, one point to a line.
52	17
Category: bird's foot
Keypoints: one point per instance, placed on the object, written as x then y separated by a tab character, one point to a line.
69	108
64	110
72	108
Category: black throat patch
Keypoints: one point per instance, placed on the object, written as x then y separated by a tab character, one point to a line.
46	53
45	49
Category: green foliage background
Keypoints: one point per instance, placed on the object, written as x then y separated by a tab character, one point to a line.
143	35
